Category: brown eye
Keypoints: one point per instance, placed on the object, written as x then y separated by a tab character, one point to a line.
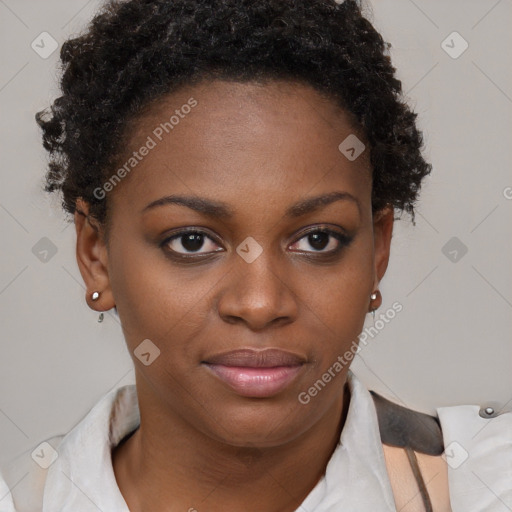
190	242
323	241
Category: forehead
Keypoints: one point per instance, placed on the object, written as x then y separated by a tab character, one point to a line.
223	139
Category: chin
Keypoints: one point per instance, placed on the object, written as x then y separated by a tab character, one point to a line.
261	426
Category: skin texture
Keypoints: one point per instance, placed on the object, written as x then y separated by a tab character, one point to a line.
260	149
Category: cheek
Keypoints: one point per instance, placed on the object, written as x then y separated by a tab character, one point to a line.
336	301
153	297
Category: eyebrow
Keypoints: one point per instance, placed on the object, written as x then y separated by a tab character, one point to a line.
220	210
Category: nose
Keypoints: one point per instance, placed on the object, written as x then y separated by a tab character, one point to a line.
258	294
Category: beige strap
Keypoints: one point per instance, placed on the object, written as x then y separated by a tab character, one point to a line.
407	484
411	455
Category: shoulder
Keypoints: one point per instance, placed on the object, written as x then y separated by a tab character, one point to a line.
23	478
463	454
478	449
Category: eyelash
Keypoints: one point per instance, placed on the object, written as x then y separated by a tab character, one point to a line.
343	240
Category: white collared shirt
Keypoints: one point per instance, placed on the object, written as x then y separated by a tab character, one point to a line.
81	476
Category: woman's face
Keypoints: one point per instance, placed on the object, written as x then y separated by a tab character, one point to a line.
262	173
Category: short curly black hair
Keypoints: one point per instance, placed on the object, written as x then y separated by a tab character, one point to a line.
135	51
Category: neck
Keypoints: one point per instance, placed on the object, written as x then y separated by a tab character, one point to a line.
170	462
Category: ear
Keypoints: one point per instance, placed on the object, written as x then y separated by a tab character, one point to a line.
382	232
92	258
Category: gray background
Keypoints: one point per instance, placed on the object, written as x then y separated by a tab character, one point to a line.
450	344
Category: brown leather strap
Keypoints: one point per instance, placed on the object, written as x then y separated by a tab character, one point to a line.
419	479
402	427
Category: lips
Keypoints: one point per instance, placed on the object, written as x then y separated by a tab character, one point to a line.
266	358
256	373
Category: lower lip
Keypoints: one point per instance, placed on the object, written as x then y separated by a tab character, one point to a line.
256	382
